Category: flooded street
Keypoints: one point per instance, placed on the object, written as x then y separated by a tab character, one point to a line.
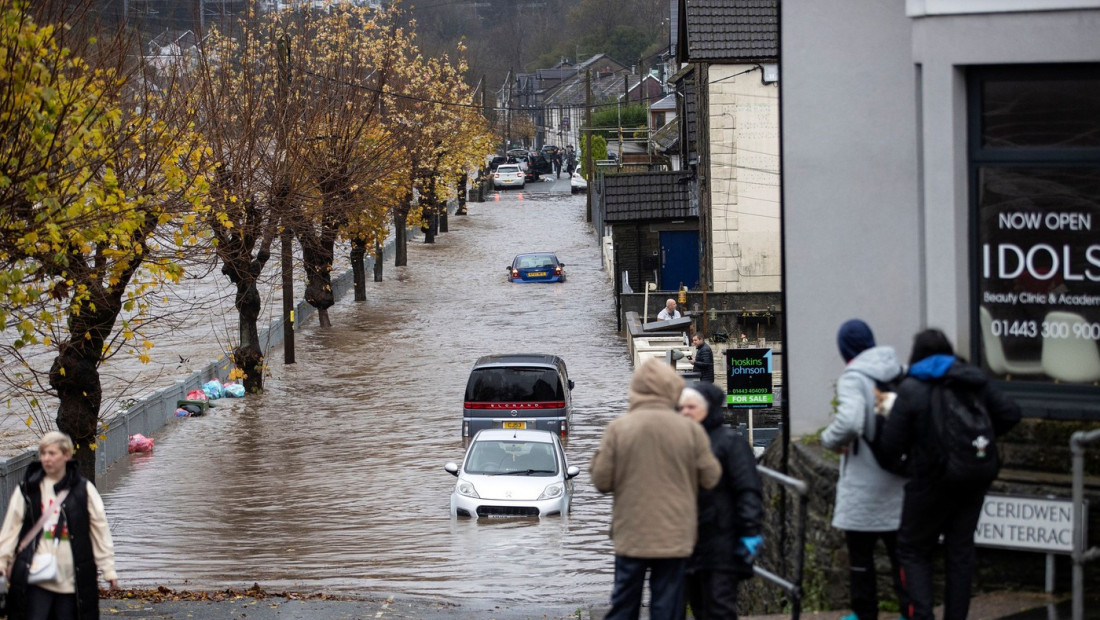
333	478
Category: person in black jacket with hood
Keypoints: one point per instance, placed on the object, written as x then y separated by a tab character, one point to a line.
729	514
933	505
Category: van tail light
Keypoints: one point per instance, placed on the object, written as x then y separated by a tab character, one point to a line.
465	428
564	428
515	273
557	270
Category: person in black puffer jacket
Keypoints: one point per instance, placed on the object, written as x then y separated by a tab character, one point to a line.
729	514
76	529
933	505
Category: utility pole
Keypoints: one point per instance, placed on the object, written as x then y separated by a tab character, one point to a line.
588	145
702	149
286	237
508	113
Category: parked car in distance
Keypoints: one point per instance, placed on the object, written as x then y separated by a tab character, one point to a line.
508	175
537	267
577	183
497	160
523	391
509	473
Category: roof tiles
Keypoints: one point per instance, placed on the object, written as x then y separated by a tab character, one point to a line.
645	196
732	30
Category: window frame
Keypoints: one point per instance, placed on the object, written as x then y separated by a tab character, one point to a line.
1043	399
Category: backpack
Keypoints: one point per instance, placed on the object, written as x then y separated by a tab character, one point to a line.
872	428
962	427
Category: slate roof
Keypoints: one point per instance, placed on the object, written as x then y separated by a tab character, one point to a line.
667	138
667	102
605	87
732	30
647	196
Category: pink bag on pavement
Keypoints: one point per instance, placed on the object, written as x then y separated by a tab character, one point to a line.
140	443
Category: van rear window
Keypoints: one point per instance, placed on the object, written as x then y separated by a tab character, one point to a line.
514	385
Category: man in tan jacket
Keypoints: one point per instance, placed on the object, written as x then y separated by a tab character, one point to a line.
654	461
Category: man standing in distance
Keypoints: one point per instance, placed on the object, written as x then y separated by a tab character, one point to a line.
669	312
654	462
703	360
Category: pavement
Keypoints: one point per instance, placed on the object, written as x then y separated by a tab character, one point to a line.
255	604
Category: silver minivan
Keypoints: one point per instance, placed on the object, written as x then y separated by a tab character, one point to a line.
522	391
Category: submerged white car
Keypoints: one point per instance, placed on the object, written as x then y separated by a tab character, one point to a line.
512	473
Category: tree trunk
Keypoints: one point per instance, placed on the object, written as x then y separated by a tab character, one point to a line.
443	218
317	254
248	356
81	395
74	374
401	239
244	272
429	226
358	269
462	178
377	261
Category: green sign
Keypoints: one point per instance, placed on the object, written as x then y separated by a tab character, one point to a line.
749	378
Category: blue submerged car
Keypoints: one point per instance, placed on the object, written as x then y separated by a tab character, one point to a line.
538	267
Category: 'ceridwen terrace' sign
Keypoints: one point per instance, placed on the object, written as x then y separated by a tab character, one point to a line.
1027	523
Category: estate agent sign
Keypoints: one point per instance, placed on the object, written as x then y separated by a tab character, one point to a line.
749	378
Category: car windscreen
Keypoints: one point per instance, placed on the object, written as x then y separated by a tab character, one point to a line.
511	384
539	261
527	458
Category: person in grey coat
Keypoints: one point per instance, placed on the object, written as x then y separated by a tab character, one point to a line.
868	498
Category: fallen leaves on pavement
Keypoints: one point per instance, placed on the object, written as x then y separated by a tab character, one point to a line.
163	594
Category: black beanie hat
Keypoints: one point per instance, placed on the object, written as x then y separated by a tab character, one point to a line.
854	338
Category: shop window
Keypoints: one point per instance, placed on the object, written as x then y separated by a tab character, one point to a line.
1035	190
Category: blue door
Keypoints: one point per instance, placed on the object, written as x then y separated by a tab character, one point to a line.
679	259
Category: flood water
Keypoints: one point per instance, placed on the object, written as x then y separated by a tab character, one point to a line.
333	478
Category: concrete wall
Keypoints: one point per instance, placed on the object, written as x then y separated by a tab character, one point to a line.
852	224
875	167
943	47
744	180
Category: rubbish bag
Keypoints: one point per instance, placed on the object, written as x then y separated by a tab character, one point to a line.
213	389
182	413
233	390
191	409
140	443
197	395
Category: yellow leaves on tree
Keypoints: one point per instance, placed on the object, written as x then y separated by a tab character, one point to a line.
95	158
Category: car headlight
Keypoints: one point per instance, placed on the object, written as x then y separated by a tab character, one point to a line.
552	491
466	489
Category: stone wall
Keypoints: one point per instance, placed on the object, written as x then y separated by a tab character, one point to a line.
1036	463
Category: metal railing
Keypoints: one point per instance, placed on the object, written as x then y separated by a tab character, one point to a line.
793	586
1078	444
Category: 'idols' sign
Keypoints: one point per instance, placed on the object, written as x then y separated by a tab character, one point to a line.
749	378
1038	301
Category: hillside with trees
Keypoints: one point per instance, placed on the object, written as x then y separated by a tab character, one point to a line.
526	35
